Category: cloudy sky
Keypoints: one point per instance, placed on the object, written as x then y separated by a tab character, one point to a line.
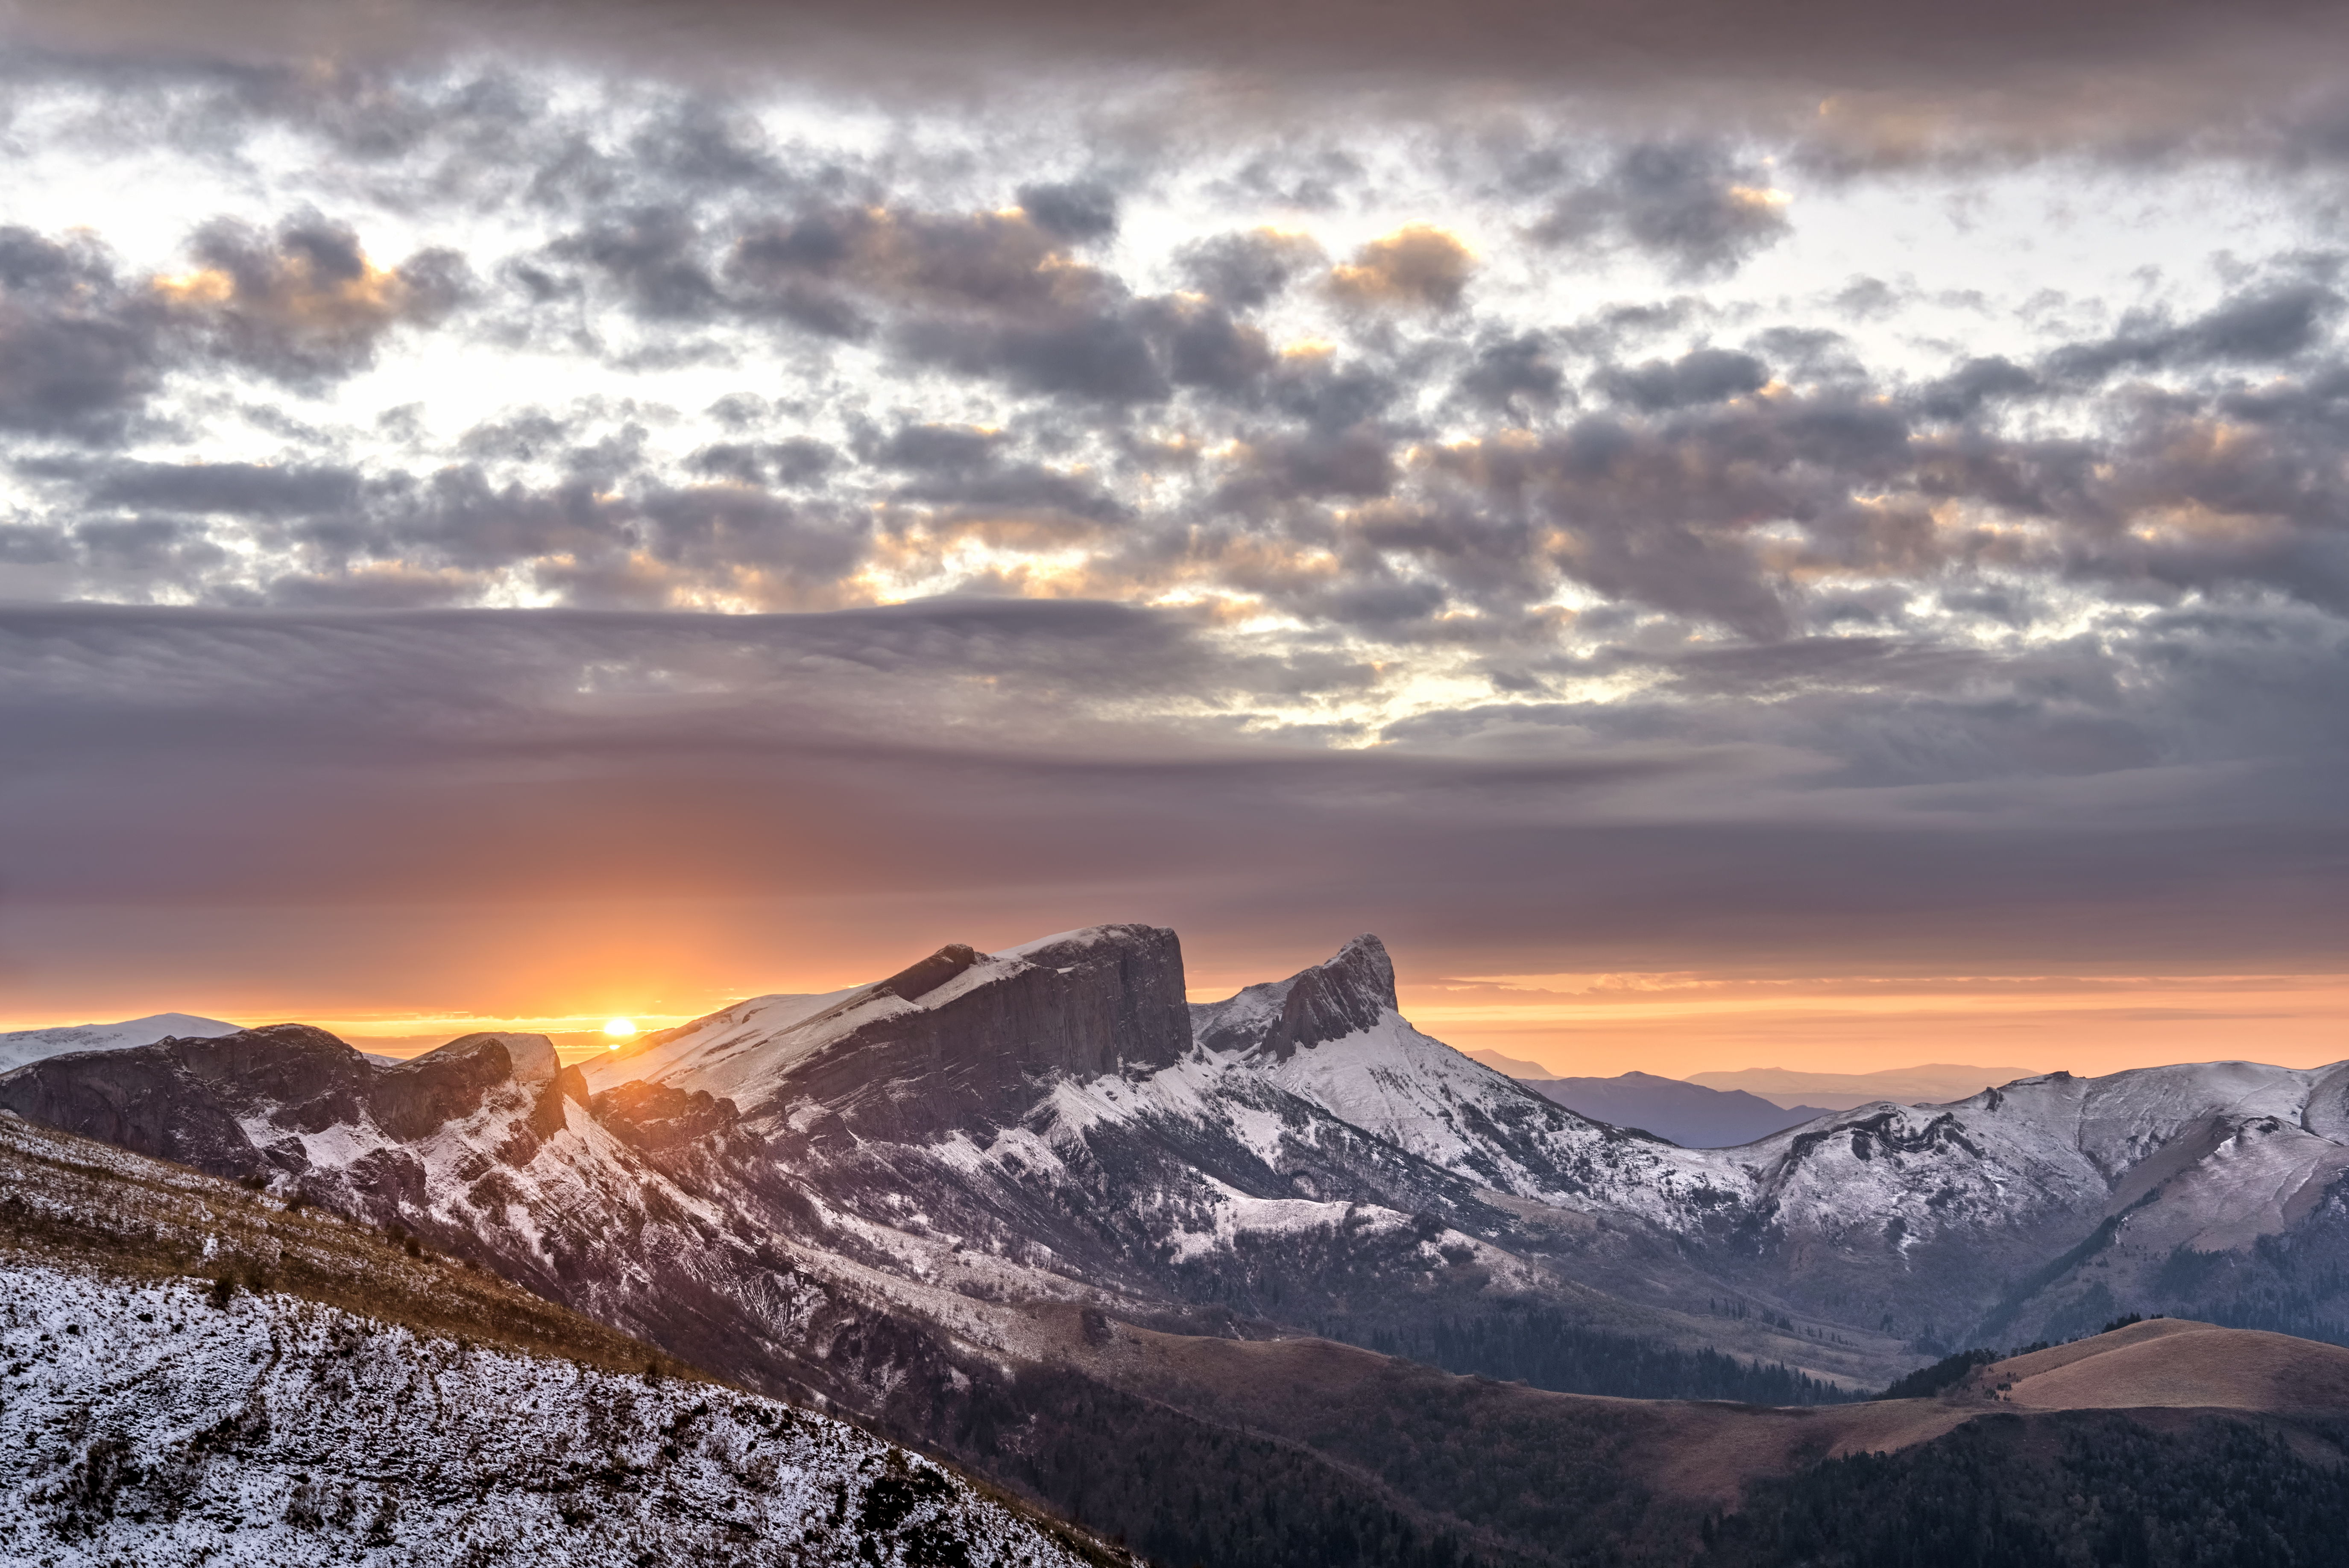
1815	538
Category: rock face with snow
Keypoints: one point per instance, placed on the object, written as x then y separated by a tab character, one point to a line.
1272	1021
143	1424
256	1102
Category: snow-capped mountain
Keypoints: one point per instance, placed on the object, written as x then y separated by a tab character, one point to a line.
2048	1204
31	1045
897	1195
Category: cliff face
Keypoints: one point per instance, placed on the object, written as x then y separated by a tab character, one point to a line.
978	1040
240	1104
1346	994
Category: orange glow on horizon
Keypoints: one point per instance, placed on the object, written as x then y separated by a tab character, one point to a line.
392	982
1676	1024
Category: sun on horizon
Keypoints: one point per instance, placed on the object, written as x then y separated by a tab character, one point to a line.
619	1029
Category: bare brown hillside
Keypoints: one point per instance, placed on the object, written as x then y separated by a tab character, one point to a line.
2176	1362
1652	1469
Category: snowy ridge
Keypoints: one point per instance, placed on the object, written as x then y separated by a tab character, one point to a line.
143	1422
37	1045
735	1053
723	1051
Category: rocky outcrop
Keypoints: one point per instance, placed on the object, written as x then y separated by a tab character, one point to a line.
196	1100
1104	1000
1345	996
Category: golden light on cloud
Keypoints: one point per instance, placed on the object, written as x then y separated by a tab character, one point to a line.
1417	265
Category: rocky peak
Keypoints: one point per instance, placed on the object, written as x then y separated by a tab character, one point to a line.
916	981
983	1031
1343	996
530	1059
198	1101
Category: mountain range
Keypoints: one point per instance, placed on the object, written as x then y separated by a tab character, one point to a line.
1688	1114
1931	1083
1032	1209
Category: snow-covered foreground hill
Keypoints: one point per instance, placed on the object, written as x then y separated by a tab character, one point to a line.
140	1421
194	1371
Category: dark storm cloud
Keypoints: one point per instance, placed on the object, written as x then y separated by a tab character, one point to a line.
787	464
1080	211
1961	393
246	489
1205	347
962	472
657	259
1515	373
2257	326
1658	511
1417	265
992	294
1355	464
83	347
1246	270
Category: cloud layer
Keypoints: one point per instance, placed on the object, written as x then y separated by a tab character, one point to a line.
1695	544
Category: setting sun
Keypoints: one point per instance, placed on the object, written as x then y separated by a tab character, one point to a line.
619	1029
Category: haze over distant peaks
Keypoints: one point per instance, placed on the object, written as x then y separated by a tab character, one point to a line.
1935	1083
1690	1115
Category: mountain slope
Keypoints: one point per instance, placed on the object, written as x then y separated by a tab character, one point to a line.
143	1422
1610	1479
1932	1083
166	1418
31	1045
2044	1207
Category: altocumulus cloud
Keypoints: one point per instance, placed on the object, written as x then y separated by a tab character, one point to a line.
1493	498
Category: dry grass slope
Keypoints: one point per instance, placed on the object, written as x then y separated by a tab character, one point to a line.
92	1207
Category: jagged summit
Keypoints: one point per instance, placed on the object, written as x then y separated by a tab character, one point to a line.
1345	995
268	1102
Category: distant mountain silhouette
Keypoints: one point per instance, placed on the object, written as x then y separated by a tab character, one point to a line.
1690	1115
